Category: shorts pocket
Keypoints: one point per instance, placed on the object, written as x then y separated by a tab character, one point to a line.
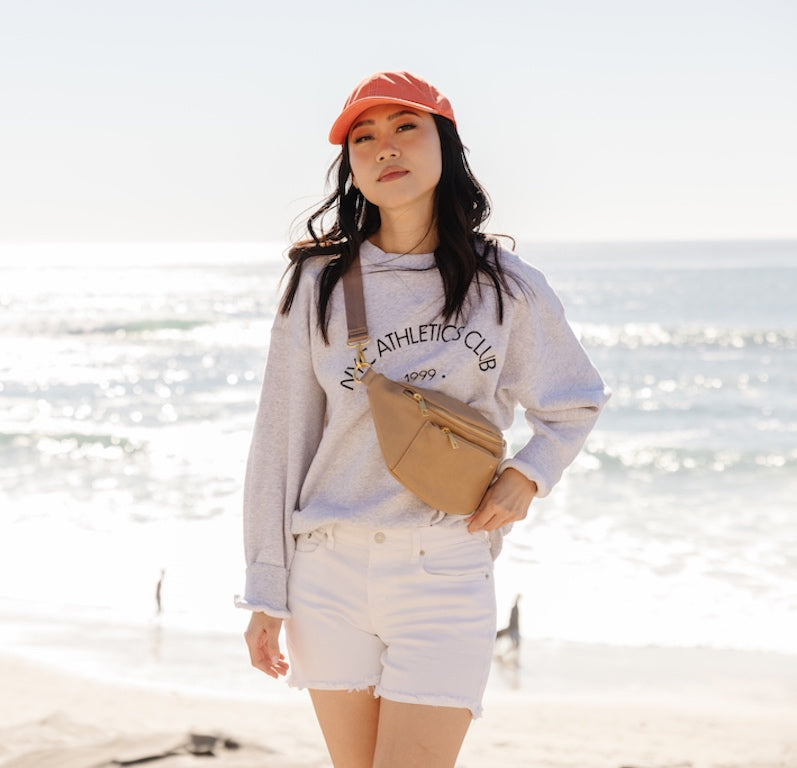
463	560
308	542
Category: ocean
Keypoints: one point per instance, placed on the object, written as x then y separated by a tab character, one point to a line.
129	378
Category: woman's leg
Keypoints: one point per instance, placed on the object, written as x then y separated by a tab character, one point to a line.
349	722
419	735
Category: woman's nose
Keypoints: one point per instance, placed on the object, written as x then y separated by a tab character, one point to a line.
387	150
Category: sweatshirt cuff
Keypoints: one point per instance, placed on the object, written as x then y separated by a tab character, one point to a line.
543	487
266	590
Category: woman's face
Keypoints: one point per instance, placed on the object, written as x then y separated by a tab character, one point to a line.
395	157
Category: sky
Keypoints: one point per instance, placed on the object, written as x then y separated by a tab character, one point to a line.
206	120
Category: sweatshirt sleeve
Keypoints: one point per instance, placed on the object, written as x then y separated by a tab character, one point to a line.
550	375
287	431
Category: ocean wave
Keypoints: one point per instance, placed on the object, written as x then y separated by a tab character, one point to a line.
637	335
143	326
664	459
73	445
32	326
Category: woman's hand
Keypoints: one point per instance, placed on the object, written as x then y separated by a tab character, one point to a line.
507	500
262	639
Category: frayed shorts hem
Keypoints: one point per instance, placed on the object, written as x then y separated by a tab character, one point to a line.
326	685
431	700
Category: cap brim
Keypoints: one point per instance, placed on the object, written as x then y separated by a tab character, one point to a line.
340	128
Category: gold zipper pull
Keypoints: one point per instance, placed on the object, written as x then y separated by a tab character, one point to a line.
421	403
450	435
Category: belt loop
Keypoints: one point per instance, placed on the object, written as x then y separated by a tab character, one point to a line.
330	534
415	550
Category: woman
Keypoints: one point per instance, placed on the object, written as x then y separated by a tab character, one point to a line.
388	604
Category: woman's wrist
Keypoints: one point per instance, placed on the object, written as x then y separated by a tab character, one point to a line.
519	478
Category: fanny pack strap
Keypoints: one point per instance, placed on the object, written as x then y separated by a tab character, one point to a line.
355	313
355	304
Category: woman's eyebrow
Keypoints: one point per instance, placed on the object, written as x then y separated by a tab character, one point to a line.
389	117
402	112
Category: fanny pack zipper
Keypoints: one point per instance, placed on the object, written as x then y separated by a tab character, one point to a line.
480	433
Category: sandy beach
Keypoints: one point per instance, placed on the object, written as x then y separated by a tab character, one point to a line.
591	707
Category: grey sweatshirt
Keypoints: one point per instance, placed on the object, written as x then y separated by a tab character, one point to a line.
314	457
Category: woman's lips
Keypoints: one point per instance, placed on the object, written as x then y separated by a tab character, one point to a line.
391	174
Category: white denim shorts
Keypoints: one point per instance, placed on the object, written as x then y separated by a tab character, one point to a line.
410	612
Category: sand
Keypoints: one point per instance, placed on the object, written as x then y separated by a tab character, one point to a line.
588	707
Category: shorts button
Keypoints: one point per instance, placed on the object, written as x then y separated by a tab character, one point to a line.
379	537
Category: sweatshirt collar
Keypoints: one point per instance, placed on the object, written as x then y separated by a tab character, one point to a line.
370	254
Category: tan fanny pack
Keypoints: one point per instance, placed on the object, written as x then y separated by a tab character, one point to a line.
438	447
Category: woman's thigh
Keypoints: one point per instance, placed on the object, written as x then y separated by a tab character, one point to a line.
349	722
419	735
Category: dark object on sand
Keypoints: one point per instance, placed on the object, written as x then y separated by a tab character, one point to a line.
197	744
145	750
512	630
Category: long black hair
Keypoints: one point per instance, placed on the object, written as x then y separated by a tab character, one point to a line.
461	206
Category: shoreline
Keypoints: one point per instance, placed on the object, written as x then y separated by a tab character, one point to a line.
574	706
159	655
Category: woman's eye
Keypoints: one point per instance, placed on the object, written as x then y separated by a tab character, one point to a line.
361	139
406	127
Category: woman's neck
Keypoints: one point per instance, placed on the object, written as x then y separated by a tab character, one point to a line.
405	234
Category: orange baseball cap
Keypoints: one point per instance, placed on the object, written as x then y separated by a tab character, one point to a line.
389	88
